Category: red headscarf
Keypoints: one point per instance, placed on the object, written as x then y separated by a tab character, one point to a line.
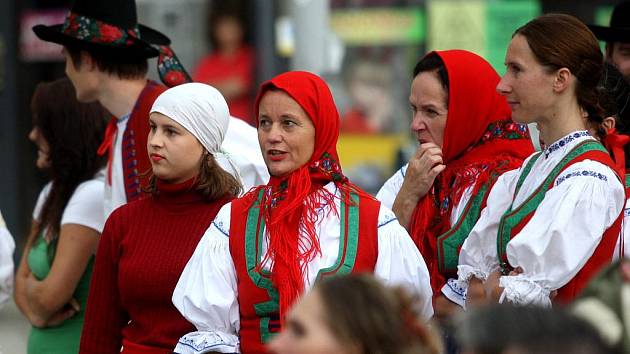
292	200
480	141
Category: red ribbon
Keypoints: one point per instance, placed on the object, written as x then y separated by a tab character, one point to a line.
108	146
615	143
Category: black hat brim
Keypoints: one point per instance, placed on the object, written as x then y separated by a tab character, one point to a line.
139	49
611	34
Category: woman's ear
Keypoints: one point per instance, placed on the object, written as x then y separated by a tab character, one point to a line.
609	123
562	80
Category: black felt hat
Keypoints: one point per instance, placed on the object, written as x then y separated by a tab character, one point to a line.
109	26
619	29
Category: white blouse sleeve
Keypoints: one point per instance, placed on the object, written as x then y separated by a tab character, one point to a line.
41	199
85	207
563	233
478	255
399	262
622	248
387	194
7	246
206	293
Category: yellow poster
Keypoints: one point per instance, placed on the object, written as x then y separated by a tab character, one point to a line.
457	24
369	160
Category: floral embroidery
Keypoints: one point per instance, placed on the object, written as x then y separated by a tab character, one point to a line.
584	173
219	225
456	288
388	217
504	129
279	194
95	31
564	141
328	167
171	70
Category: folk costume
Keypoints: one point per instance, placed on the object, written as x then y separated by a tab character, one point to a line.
146	243
480	142
557	219
265	249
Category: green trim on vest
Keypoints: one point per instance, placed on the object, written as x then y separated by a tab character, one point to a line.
627	180
254	236
264	310
512	217
449	243
348	241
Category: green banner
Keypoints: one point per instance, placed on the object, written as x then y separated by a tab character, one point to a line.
503	18
379	26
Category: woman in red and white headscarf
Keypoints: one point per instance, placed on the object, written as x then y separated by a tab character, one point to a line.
264	250
466	138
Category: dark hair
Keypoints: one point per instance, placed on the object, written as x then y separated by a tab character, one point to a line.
122	67
433	62
563	41
73	131
213	182
363	313
497	329
615	98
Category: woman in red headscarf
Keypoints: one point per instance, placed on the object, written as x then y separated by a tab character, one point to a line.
467	139
265	249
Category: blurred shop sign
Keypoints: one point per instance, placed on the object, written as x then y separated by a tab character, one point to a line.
483	27
379	26
32	48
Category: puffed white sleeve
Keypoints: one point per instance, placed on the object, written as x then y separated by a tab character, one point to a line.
206	293
478	255
387	194
399	262
563	233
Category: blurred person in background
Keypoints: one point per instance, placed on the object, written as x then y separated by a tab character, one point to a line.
146	243
614	132
355	314
605	304
617	37
505	329
230	65
52	280
372	111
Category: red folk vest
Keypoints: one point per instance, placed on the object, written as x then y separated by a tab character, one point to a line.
514	220
257	297
135	158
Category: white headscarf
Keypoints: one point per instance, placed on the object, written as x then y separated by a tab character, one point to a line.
199	108
202	110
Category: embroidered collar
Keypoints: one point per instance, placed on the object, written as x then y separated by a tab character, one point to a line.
565	141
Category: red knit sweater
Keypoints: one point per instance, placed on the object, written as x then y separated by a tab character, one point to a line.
143	250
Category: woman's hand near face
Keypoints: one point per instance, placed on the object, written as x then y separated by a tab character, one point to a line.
425	165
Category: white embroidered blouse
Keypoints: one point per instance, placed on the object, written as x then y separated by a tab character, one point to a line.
206	293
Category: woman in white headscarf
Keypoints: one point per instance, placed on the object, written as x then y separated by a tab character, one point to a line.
146	244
